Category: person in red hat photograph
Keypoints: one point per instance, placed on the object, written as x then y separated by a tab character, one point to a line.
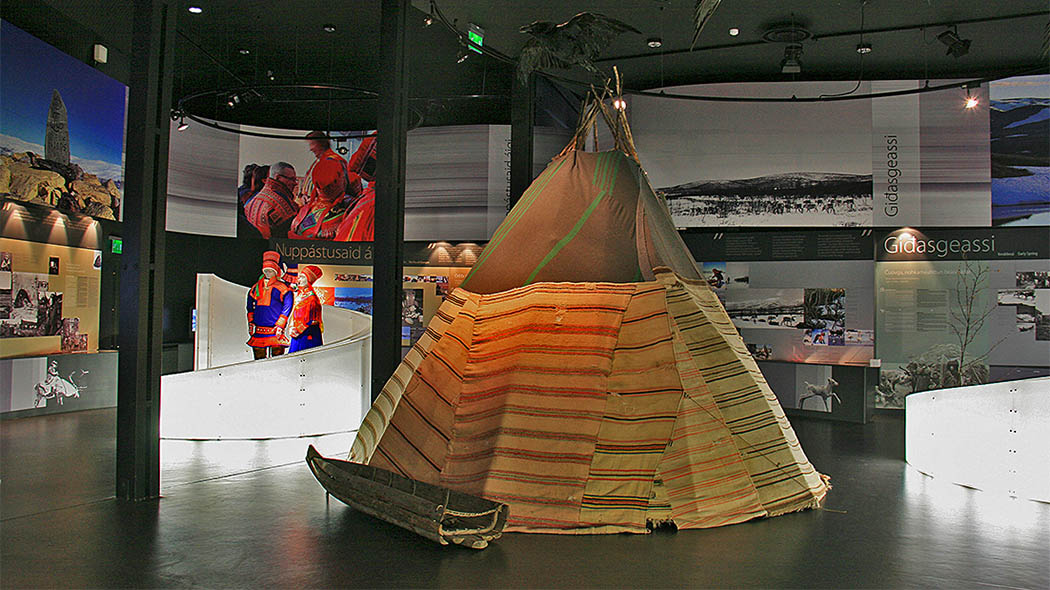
358	223
270	303
306	327
320	217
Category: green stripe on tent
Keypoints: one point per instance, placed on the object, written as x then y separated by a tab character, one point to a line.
508	223
610	181
602	159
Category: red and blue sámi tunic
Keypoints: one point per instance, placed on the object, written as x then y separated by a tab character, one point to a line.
269	305
306	320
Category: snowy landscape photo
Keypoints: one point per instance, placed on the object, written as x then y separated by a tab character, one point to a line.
1019	122
790	199
759	164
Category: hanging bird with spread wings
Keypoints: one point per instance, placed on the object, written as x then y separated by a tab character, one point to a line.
701	14
576	42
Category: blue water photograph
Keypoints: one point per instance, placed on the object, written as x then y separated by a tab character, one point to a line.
1019	123
355	298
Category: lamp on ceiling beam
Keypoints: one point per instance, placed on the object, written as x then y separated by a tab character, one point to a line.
429	18
971	100
792	62
957	46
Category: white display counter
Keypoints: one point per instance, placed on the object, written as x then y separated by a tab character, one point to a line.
318	391
993	437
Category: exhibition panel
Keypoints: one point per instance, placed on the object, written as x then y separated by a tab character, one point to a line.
953	303
801	296
49	298
56	383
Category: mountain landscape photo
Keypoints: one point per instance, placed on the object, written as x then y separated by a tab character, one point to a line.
790	199
1020	150
62	126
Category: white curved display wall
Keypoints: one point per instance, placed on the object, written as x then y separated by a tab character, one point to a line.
317	391
993	437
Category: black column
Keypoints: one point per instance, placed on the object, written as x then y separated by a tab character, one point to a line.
522	119
142	270
392	127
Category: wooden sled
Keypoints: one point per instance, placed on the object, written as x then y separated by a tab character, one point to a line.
439	514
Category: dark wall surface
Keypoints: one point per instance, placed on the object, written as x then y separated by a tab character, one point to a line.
237	260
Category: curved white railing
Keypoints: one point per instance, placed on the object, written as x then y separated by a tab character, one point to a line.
317	391
993	437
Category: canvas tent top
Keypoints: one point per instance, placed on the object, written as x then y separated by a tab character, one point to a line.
587	217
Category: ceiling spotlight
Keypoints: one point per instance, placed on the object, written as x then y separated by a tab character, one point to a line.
863	48
654	42
429	18
619	104
792	62
195	9
734	32
463	55
270	76
957	46
183	125
244	51
971	101
232	101
329	28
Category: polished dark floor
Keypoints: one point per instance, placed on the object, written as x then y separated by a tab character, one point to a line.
245	514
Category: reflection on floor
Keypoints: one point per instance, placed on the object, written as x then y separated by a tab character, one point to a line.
248	514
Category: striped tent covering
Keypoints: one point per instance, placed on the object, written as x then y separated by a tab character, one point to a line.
587	377
592	408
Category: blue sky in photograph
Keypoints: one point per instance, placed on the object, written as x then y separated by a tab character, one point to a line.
31	69
1020	87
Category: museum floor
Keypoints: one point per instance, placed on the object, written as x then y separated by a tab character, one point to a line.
247	514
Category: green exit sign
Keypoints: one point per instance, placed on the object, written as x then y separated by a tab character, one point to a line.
476	38
116	245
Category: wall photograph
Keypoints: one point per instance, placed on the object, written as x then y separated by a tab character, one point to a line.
62	127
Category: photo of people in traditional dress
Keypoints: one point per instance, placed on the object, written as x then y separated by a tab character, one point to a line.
5	285
71	336
28	291
49	314
332	199
411	316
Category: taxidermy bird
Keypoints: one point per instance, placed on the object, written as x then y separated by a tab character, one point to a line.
576	42
1046	41
701	14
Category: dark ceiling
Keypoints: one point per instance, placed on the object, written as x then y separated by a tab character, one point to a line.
288	39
